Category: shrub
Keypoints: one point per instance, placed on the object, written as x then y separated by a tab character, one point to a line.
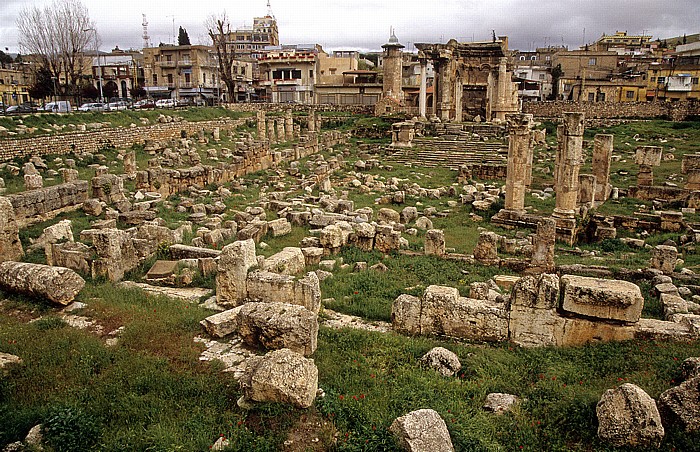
70	429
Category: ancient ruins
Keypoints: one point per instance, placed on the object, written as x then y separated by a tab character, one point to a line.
200	200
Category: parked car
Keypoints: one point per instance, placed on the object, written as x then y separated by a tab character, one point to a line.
145	103
92	106
60	106
18	110
118	105
165	103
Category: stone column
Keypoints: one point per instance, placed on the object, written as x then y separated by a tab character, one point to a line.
262	129
216	133
543	245
311	121
281	134
130	164
647	157
271	135
602	156
319	123
10	245
587	184
458	99
422	97
288	126
519	154
443	96
568	163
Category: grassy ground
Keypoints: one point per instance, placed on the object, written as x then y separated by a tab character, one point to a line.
151	392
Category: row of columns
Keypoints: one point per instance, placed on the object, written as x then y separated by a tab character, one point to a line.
282	129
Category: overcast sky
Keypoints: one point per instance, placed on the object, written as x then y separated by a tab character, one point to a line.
364	24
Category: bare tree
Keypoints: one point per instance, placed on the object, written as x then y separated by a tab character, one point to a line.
58	35
219	30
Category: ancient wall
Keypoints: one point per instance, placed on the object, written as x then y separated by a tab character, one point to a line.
676	111
94	141
43	203
355	109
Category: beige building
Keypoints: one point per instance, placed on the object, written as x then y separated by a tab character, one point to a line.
289	73
181	72
581	67
251	42
14	86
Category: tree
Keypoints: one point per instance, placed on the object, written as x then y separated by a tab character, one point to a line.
219	29
43	87
5	59
89	91
138	92
59	34
183	39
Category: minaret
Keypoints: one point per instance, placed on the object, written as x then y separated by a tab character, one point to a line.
393	69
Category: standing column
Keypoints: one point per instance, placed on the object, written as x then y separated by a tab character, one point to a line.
311	120
459	92
602	156
568	163
289	125
519	153
262	129
272	136
281	135
422	97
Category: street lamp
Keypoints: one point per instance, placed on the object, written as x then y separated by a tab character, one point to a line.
99	67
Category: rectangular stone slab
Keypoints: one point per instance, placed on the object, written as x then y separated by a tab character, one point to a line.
601	298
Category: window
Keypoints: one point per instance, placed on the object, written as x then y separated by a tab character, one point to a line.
170	79
592	61
542	76
533	58
155	79
600	97
332	71
661	79
204	77
591	97
653	79
311	74
188	78
548	58
522	57
629	94
694	80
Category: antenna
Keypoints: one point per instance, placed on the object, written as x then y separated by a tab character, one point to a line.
269	10
173	40
146	38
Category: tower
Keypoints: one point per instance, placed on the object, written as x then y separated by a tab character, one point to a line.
393	69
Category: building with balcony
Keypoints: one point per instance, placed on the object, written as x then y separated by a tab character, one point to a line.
183	73
14	86
289	73
120	71
251	42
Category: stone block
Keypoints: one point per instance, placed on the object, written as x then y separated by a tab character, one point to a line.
601	298
664	258
289	261
279	227
278	325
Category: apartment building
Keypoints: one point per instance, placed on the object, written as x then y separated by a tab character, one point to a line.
289	73
181	73
14	86
251	42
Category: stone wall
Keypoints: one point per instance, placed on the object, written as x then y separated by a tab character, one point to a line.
94	141
44	203
676	111
355	109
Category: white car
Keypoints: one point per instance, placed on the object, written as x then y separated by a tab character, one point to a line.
165	103
117	106
92	106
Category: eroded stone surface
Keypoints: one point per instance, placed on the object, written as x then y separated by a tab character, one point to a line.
422	431
627	416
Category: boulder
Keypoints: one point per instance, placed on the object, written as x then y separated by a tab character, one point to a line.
486	249
57	284
681	405
435	242
386	215
223	323
279	227
444	361
691	368
627	416
422	431
601	298
498	402
280	376
54	234
278	325
6	360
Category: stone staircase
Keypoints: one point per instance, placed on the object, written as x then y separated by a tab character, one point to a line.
450	154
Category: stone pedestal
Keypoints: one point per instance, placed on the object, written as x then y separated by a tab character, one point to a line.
33	181
567	164
602	156
519	155
587	185
70	175
130	164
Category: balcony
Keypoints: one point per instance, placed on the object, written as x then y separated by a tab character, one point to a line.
184	63
166	64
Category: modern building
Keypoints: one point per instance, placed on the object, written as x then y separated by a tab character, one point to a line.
289	73
14	86
251	42
120	71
